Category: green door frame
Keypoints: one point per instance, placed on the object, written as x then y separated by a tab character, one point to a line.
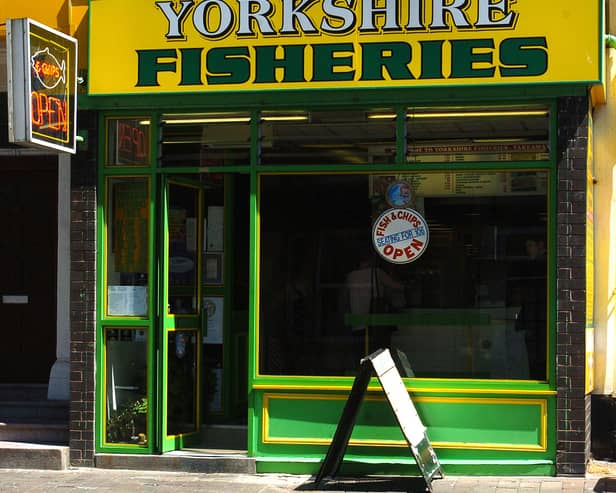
182	330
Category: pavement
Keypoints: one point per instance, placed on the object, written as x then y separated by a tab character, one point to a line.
98	480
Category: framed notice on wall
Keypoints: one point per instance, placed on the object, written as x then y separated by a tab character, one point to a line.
213	307
42	83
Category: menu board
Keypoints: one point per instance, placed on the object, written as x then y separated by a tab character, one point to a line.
469	152
461	183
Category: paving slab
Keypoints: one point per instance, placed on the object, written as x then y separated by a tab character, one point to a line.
98	480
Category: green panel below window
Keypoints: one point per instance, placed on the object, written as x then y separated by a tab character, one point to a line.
508	424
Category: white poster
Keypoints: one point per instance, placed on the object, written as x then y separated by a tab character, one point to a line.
215	228
131	301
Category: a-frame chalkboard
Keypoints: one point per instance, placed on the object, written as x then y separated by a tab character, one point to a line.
402	406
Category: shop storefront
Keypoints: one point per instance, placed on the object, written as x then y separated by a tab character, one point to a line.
252	158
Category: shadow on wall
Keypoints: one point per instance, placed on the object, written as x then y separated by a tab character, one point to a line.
603	427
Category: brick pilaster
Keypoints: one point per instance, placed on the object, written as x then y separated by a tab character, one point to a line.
573	406
83	298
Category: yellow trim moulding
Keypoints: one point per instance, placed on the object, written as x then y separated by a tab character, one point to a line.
540	447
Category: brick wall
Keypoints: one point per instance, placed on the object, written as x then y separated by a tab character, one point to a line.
83	298
573	406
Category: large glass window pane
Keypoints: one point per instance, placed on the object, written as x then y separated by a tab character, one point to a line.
477	134
205	139
126	404
473	305
182	381
127	246
128	142
328	137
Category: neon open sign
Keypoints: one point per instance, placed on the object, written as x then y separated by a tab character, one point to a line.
42	85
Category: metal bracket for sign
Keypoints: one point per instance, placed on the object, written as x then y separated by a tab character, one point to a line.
402	406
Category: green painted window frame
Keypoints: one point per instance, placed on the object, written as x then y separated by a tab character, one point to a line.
153	106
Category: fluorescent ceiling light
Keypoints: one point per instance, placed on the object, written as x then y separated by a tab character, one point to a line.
181	142
328	146
213	119
381	116
285	118
476	113
496	140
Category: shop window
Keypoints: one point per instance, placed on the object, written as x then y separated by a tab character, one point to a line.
128	236
126	404
327	137
473	305
477	134
128	142
206	139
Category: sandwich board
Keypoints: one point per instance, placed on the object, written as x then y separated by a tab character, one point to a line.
402	406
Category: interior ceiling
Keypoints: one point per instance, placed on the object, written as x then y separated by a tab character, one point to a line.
355	127
485	127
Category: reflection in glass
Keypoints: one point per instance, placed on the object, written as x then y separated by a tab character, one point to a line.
128	142
327	137
205	139
126	405
181	382
477	134
182	217
127	246
473	305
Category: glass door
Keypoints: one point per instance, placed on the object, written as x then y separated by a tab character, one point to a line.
182	321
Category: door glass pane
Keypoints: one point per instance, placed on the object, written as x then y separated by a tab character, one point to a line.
126	404
214	229
181	381
183	214
128	237
473	305
213	361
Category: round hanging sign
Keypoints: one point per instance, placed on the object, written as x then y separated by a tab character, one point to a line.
400	236
399	194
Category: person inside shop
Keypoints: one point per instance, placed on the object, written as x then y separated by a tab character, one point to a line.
371	291
532	319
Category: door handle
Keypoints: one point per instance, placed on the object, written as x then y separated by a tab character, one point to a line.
15	299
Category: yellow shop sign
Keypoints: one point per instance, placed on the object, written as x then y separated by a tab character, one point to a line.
145	46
